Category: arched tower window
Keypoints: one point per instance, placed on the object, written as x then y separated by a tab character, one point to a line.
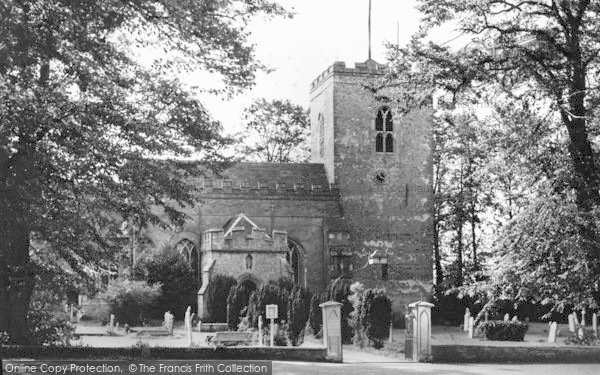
249	262
384	128
192	256
294	259
321	124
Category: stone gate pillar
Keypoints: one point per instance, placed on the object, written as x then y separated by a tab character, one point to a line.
421	315
332	329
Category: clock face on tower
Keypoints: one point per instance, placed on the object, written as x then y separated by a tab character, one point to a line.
380	176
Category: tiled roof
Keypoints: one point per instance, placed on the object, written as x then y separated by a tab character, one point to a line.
287	173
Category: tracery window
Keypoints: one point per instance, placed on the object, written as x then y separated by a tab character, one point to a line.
384	128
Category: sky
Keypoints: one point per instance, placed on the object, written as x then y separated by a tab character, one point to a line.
299	49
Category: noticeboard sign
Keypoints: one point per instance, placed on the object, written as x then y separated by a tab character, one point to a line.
272	311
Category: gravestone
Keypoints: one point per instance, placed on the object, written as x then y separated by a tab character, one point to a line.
471	324
595	324
571	323
515	319
421	315
332	329
187	321
575	320
466	320
552	332
506	317
168	322
111	326
583	317
188	324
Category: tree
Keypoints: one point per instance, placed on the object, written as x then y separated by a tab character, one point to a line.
298	308
552	46
80	120
540	257
276	131
179	286
217	295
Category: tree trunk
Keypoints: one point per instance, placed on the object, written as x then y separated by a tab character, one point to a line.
17	281
439	273
473	217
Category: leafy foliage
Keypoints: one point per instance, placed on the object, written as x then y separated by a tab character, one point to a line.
277	131
237	304
297	314
503	331
268	294
340	293
169	269
587	338
81	122
541	256
129	300
376	316
315	314
49	328
216	297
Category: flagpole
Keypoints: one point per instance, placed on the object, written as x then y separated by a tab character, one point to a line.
369	29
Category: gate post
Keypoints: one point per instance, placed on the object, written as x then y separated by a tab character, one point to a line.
332	329
421	317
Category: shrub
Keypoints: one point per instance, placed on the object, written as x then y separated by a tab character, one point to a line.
340	294
216	297
503	331
4	338
237	301
297	314
49	329
179	286
129	300
315	313
376	315
267	294
587	338
357	298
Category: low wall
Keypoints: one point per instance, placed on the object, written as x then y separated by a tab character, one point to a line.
238	352
519	354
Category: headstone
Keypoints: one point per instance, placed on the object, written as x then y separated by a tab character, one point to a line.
571	323
583	317
187	321
391	336
112	323
580	333
168	323
471	324
595	324
506	317
260	331
332	329
575	320
515	319
189	329
466	320
552	332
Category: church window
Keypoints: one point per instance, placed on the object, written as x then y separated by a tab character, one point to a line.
293	258
249	262
384	128
192	256
340	263
321	124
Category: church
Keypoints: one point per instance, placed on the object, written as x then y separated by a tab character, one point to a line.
362	209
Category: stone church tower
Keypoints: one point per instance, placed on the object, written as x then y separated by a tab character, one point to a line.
379	158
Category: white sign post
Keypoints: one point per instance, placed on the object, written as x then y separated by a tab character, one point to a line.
272	315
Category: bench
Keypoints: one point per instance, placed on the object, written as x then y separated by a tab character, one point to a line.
231	338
